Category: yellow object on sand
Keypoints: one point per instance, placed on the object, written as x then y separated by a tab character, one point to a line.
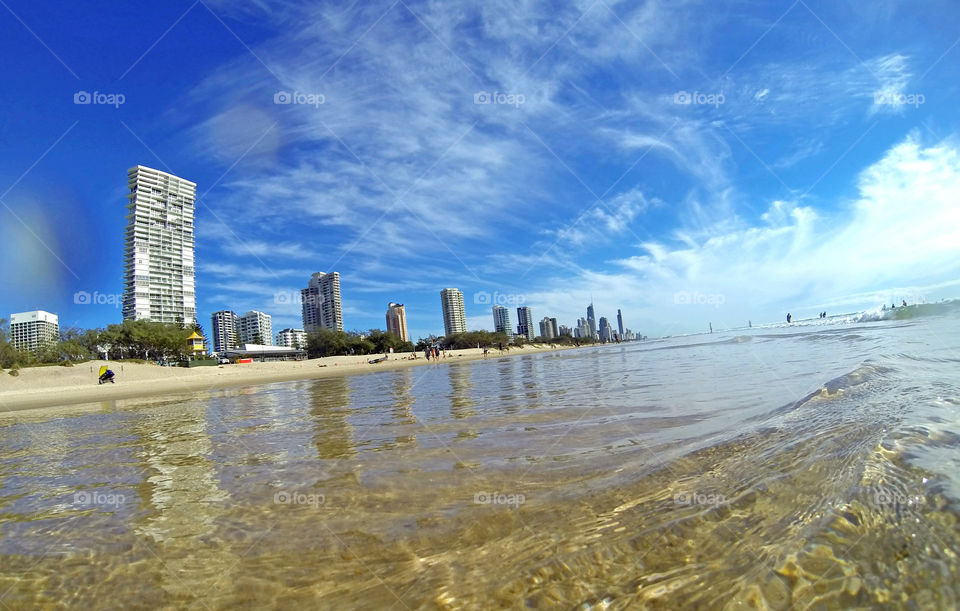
103	369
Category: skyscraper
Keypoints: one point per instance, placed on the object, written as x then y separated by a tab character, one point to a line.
591	320
546	328
397	321
224	329
606	331
501	320
158	253
454	316
620	322
525	322
33	331
255	327
321	303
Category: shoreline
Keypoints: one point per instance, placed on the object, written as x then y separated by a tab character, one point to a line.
48	387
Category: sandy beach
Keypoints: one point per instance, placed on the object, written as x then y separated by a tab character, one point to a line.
43	387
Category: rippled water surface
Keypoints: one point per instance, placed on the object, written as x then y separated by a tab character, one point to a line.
772	468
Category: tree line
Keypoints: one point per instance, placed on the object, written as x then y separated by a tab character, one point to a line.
139	339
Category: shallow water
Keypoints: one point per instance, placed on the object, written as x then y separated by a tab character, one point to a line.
772	468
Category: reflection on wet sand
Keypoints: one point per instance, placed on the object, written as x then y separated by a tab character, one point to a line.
181	500
330	408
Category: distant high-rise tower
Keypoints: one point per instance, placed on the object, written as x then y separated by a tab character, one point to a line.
606	331
501	320
397	321
224	329
591	320
255	327
547	330
620	322
454	316
33	331
525	322
158	253
321	303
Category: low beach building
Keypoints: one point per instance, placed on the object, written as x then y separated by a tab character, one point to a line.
261	353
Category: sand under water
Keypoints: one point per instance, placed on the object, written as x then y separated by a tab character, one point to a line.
778	467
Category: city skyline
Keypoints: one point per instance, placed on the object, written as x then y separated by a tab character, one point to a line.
707	186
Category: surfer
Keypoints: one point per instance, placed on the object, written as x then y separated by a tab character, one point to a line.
904	303
788	316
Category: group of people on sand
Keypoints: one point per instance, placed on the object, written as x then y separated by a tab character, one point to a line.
437	352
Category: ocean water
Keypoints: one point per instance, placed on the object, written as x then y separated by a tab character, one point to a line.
810	465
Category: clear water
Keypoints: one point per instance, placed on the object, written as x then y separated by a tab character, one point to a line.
782	467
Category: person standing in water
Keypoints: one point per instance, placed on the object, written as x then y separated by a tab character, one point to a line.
788	316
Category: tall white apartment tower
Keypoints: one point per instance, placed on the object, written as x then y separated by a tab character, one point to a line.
224	326
321	303
158	254
501	320
454	317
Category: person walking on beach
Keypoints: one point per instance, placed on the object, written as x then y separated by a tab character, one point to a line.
426	352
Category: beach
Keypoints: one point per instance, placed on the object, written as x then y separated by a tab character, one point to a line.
40	387
786	467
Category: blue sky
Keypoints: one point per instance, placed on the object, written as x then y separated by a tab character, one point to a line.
688	162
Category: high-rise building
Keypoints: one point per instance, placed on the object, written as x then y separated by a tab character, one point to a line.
582	329
591	320
554	327
501	320
397	321
33	331
292	338
606	331
255	327
158	253
565	330
321	303
546	328
454	316
525	322
224	326
620	322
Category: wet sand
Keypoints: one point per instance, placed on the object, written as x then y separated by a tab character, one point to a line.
45	387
